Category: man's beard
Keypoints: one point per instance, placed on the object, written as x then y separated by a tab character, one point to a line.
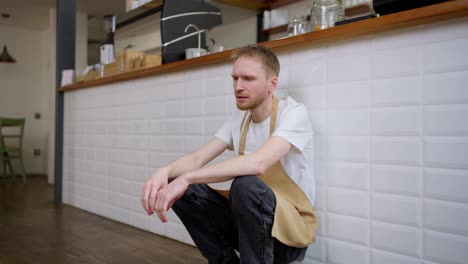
251	103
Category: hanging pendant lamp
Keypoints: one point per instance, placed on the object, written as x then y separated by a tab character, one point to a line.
5	57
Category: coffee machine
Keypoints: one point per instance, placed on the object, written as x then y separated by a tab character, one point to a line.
107	48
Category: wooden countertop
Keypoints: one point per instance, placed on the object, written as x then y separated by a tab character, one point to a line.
410	18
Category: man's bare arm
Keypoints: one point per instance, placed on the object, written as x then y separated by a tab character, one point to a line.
161	176
253	164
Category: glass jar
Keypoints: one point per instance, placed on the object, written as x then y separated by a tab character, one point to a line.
325	13
297	26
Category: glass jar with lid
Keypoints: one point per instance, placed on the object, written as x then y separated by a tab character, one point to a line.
325	13
297	26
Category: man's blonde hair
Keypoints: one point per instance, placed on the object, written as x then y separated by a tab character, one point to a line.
265	55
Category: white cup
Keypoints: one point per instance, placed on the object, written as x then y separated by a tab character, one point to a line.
194	52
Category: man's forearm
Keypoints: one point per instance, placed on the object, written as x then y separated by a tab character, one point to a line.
226	170
180	166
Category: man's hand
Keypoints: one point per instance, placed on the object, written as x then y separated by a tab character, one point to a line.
149	194
168	195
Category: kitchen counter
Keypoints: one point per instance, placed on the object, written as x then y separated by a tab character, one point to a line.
419	16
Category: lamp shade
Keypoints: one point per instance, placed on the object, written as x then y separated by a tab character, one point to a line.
5	57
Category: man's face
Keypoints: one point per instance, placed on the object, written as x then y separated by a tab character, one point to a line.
251	83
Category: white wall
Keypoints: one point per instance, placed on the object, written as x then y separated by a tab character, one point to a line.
24	85
28	86
391	140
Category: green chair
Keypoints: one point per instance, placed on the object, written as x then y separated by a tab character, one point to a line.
11	145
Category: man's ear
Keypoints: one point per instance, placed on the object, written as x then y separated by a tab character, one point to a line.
273	83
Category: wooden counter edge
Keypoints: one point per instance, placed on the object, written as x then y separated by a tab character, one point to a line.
414	17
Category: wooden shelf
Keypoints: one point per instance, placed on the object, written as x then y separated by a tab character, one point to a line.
410	18
278	29
258	4
139	13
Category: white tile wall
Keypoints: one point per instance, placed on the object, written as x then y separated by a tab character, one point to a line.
390	117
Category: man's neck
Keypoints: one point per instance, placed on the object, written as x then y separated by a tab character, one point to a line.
263	111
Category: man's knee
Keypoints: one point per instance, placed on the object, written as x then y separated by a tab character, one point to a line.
245	189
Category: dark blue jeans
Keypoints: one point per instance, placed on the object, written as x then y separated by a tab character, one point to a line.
218	226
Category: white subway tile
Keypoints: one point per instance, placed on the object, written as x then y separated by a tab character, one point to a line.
396	62
174	109
194	107
396	238
348	175
349	94
172	127
175	90
157	159
403	121
396	209
445	248
311	73
348	122
307	54
348	149
320	198
396	91
448	120
396	150
446	184
445	88
172	217
138	220
155	127
348	68
192	143
320	145
446	152
154	225
342	253
195	74
349	46
212	125
399	38
396	179
320	172
175	231
321	222
346	202
446	30
283	78
217	105
447	217
195	89
214	71
132	142
173	144
218	86
446	56
156	143
318	119
132	112
348	229
316	251
311	96
382	257
129	157
194	127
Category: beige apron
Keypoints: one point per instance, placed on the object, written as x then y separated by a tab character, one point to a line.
294	222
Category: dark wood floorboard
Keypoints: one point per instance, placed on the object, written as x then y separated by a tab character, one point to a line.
34	230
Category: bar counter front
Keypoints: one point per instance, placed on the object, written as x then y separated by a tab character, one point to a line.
388	101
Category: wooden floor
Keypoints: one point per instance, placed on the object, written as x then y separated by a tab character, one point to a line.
34	230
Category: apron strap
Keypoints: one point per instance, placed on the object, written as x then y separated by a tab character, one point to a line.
243	138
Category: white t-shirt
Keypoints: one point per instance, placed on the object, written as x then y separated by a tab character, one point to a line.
292	124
